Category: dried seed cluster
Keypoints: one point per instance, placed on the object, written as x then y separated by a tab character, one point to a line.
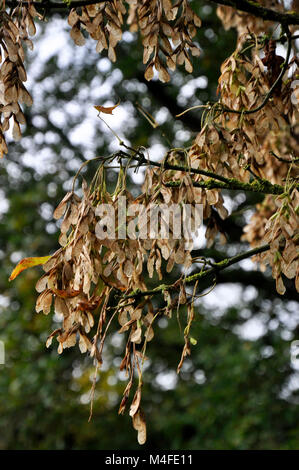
15	29
249	133
244	22
188	194
82	275
167	30
86	261
277	222
243	85
102	21
264	143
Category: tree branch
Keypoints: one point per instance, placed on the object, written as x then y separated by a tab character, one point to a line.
138	156
255	9
218	267
47	5
287	18
258	280
215	182
257	186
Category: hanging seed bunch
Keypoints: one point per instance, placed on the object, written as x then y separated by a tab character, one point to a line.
238	93
83	277
244	22
231	140
167	30
161	23
254	232
169	186
103	22
217	149
14	33
265	141
276	222
282	233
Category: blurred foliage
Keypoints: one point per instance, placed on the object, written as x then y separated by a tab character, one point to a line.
232	393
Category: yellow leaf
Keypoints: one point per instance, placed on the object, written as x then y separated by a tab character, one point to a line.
106	110
28	263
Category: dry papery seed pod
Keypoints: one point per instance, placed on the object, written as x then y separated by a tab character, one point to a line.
103	22
185	193
167	30
82	278
14	33
244	22
230	141
276	222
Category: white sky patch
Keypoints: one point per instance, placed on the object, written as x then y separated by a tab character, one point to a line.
117	340
188	90
43	163
4	301
46	211
16	256
248	265
128	36
199	377
156	152
199	240
83	133
4	203
44	48
223	296
251	330
13	170
163	322
289	315
294	382
291	386
100	91
162	115
250	293
228	203
167	380
104	65
73	108
138	177
57	116
247	215
182	135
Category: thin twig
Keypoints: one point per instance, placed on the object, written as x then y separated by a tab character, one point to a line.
259	11
55	5
202	274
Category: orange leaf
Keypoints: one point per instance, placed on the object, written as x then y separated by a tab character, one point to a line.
106	110
66	294
28	263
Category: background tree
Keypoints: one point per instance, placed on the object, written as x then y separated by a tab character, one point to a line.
245	386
